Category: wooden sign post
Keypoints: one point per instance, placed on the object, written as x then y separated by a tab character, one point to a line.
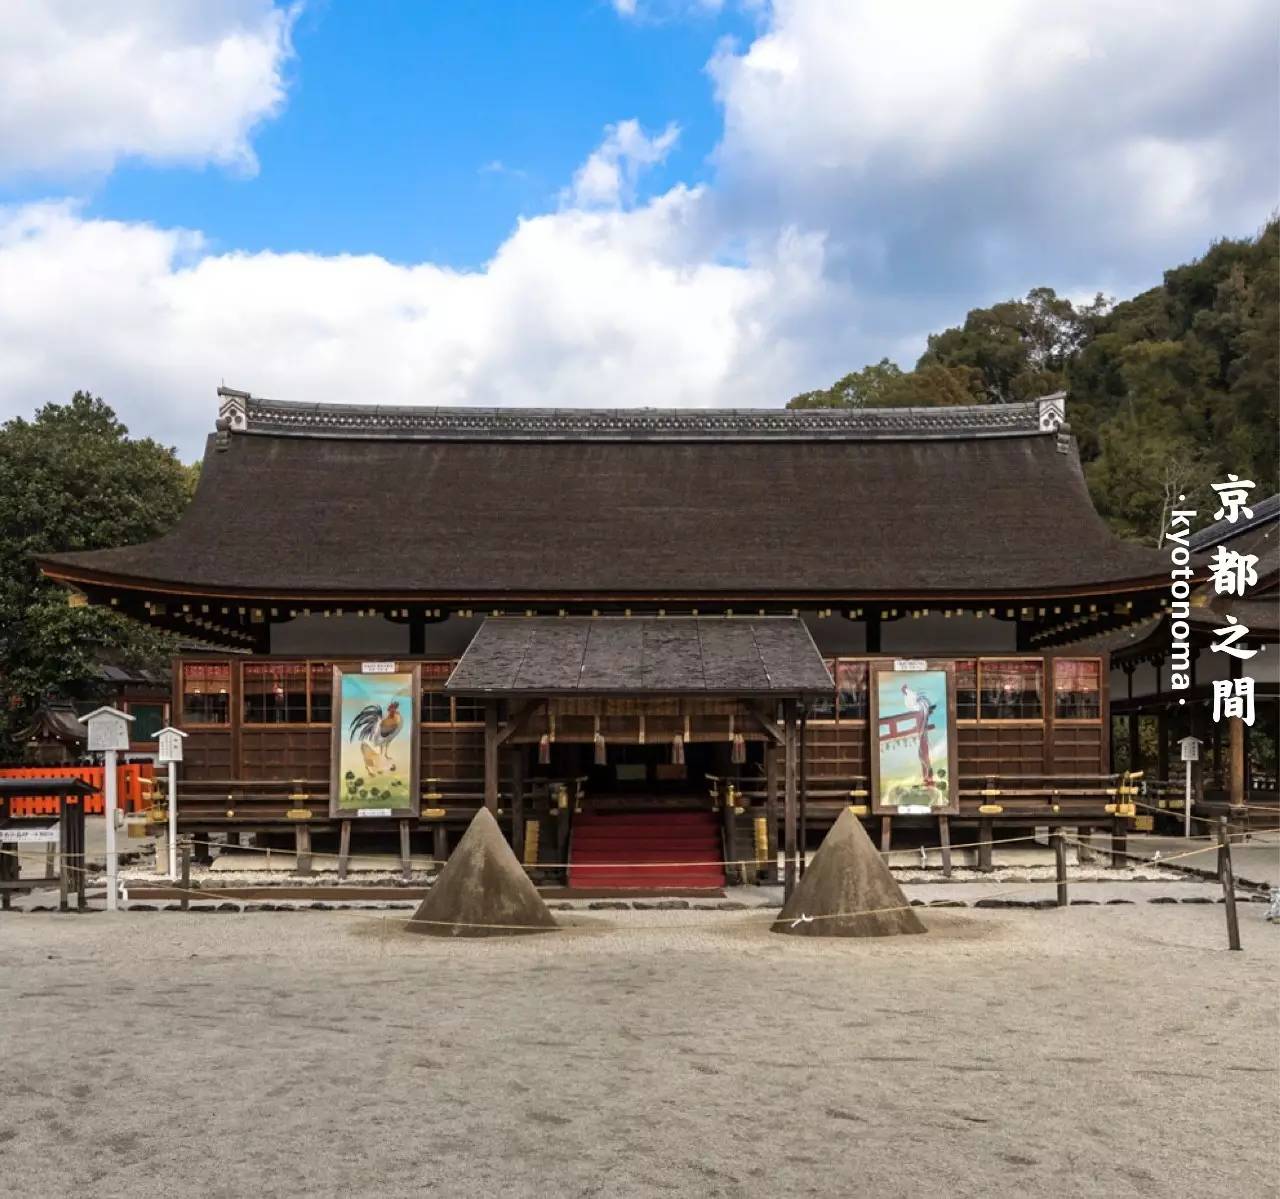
171	753
1190	754
108	735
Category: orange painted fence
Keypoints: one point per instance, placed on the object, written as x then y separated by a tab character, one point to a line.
133	787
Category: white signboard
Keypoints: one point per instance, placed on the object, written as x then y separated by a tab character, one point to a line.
377	668
108	729
1190	749
910	664
170	744
373	811
46	832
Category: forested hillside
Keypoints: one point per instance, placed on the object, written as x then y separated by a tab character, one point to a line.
1169	390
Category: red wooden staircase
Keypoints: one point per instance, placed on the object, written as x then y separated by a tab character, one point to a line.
649	851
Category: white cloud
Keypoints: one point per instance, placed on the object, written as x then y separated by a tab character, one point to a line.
608	177
1004	142
576	308
85	84
882	169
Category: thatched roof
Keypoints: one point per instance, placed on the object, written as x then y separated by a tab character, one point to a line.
362	502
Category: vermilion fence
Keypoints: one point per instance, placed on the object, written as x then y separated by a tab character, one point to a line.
133	787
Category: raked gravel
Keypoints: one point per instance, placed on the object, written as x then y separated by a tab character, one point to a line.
1093	1051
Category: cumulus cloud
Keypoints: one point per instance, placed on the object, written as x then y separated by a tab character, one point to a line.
84	85
944	146
637	310
882	169
608	177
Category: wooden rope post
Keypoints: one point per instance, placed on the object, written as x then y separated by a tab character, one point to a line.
184	867
1060	864
886	836
1228	885
944	840
406	863
440	844
344	848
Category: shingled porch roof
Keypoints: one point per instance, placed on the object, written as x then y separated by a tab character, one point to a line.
682	655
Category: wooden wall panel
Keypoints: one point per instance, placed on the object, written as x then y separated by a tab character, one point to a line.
206	755
452	753
836	751
294	752
1006	749
1079	749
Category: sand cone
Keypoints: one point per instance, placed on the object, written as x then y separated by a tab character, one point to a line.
846	877
482	891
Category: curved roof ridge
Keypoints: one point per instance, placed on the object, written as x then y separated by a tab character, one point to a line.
241	412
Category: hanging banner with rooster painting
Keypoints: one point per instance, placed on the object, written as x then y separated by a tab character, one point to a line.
913	751
375	741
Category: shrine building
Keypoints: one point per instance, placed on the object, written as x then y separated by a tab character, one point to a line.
708	629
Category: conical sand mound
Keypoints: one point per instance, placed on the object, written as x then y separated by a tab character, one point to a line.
482	891
845	883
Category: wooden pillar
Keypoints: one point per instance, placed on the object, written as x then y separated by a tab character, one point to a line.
440	843
516	756
804	798
491	755
771	808
1235	749
302	848
789	797
406	860
986	832
1119	844
1235	732
873	632
344	848
1162	740
1135	744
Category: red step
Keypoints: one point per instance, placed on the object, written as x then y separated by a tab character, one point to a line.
646	851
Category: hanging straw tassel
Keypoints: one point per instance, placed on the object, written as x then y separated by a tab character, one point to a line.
677	751
738	754
601	757
544	750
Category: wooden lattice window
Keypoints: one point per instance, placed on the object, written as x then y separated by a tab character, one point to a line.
1010	689
1077	688
275	693
966	689
206	693
851	689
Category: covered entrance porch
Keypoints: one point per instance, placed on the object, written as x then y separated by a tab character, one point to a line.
637	735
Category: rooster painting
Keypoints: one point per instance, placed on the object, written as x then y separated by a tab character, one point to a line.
375	732
375	742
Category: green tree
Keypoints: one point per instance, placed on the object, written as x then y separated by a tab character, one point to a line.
1169	391
73	479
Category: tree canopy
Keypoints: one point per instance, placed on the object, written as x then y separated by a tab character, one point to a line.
1168	391
73	479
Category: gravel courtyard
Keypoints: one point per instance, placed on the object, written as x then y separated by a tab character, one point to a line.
1092	1051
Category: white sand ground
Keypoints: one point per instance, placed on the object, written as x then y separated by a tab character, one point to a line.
1081	1052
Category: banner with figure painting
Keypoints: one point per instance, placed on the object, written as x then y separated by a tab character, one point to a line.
375	741
913	751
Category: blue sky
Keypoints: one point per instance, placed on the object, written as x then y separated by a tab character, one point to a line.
589	202
423	131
